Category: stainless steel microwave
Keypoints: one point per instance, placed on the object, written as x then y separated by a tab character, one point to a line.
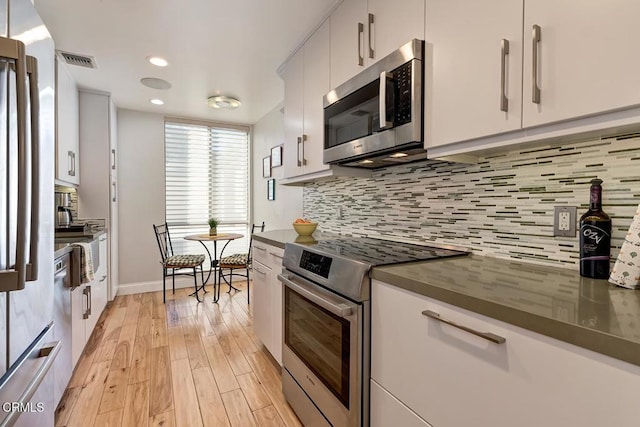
376	118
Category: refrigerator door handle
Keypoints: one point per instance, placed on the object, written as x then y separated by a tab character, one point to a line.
34	94
14	279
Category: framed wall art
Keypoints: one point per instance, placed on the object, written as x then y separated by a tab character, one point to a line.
276	156
266	167
271	189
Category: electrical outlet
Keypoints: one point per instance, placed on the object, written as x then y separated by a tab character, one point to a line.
564	221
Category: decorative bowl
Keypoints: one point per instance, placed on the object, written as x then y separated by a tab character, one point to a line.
305	229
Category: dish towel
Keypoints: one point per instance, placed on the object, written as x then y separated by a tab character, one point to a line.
86	262
626	270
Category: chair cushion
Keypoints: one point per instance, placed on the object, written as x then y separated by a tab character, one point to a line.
235	259
184	260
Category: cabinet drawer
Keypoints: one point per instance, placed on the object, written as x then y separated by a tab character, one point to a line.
268	255
386	410
529	380
259	252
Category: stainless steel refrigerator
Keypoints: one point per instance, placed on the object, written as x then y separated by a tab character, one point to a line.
27	346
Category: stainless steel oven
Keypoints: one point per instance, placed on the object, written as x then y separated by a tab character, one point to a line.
323	349
326	350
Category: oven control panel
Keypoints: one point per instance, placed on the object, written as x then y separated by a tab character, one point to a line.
316	264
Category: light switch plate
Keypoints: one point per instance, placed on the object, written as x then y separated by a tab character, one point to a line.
564	221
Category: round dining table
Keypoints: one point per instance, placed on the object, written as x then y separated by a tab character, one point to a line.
215	238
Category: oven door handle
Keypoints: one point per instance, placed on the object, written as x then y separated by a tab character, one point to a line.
339	309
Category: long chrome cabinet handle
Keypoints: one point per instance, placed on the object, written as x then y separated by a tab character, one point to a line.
372	53
113	154
486	335
34	95
70	162
360	40
14	279
385	77
87	312
304	139
115	191
536	36
298	153
504	51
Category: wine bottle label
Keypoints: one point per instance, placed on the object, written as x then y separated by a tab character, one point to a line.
595	241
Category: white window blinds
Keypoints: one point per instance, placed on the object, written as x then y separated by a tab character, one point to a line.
207	175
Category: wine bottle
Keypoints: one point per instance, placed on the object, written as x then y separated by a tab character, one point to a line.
595	237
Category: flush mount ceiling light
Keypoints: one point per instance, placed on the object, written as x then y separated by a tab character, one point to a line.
156	101
155	83
223	102
157	61
398	155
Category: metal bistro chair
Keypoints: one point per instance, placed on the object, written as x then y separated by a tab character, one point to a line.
238	262
174	263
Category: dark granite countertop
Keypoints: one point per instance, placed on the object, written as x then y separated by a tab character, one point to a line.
279	238
548	300
61	245
552	301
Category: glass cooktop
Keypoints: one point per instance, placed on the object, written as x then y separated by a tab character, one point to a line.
378	252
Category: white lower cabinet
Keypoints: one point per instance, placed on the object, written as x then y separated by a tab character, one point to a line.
451	378
87	303
386	410
267	297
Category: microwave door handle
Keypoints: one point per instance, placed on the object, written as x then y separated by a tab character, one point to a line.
13	280
385	80
34	100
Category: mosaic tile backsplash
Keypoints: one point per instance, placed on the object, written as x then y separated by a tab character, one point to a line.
502	206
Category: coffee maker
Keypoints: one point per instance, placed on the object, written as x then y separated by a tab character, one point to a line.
63	213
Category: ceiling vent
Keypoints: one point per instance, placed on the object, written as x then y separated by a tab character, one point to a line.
79	60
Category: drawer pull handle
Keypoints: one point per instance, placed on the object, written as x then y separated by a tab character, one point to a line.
275	255
486	335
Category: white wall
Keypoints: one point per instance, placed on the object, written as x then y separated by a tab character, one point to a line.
287	206
142	196
142	201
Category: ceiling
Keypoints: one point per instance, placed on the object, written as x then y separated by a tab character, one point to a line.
213	47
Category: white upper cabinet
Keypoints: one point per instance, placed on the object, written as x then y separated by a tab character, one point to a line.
348	40
363	32
306	81
394	24
67	126
586	61
563	65
476	60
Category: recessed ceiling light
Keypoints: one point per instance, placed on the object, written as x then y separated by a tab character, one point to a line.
155	83
366	162
156	101
157	61
223	102
397	155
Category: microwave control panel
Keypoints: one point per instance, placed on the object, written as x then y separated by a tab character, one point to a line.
402	77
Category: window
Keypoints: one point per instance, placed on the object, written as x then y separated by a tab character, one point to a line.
207	175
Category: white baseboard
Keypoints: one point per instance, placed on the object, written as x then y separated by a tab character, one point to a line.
156	285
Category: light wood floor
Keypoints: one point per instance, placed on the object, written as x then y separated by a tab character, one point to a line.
178	364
